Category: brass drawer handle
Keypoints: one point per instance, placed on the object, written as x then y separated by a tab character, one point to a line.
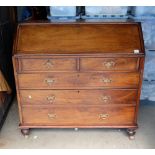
50	99
49	81
49	64
106	80
109	64
105	99
103	116
51	116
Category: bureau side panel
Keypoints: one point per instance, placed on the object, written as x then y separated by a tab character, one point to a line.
141	68
15	67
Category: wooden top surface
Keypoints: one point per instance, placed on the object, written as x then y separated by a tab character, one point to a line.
78	38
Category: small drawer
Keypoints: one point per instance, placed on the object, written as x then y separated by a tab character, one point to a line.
78	116
78	97
47	64
112	64
78	80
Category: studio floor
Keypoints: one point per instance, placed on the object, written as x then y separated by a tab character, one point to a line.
11	138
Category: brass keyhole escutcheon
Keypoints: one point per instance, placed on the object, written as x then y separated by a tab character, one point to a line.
29	96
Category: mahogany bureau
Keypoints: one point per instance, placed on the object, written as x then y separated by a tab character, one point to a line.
78	74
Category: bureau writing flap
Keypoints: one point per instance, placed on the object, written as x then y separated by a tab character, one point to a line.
70	38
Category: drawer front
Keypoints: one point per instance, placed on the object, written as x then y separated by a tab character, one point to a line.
80	80
113	64
55	64
78	115
78	97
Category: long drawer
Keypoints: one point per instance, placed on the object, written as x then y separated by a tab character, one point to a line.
85	115
77	80
112	64
78	97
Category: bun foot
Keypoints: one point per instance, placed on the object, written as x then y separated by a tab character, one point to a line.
25	132
131	137
131	133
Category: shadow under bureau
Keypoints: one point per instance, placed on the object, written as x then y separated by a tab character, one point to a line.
78	75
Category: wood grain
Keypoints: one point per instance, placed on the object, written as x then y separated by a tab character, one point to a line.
78	97
48	64
109	64
78	74
78	115
78	38
78	80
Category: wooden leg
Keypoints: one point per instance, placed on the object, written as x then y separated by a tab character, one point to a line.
131	133
25	131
